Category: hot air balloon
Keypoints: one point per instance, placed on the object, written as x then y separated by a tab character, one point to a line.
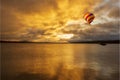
89	17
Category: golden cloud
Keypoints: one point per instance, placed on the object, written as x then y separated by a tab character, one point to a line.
49	16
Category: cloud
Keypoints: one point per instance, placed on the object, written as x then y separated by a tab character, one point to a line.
9	21
31	34
18	14
53	17
106	31
30	6
114	13
105	9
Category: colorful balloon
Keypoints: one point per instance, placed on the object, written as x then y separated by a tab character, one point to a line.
89	17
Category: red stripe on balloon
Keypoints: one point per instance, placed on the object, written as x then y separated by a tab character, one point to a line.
88	16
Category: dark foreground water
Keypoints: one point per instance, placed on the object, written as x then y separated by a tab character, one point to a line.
59	61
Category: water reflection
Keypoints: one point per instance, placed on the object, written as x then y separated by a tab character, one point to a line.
59	62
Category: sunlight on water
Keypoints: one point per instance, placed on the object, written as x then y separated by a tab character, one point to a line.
59	62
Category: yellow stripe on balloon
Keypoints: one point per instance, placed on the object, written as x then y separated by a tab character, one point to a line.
90	17
90	21
86	15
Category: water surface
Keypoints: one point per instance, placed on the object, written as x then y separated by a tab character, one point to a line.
59	61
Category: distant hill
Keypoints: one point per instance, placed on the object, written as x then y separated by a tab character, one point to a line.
32	42
102	42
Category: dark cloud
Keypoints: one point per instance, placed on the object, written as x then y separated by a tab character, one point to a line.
105	5
106	31
30	6
32	34
9	37
9	22
111	6
114	13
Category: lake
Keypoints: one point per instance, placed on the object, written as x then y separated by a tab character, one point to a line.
32	61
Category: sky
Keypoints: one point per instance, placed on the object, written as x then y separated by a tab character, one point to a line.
59	20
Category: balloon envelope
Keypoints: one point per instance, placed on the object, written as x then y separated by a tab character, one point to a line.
89	17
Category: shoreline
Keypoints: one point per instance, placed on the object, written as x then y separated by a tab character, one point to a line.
80	42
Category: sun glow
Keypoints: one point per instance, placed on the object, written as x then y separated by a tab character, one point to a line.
65	36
